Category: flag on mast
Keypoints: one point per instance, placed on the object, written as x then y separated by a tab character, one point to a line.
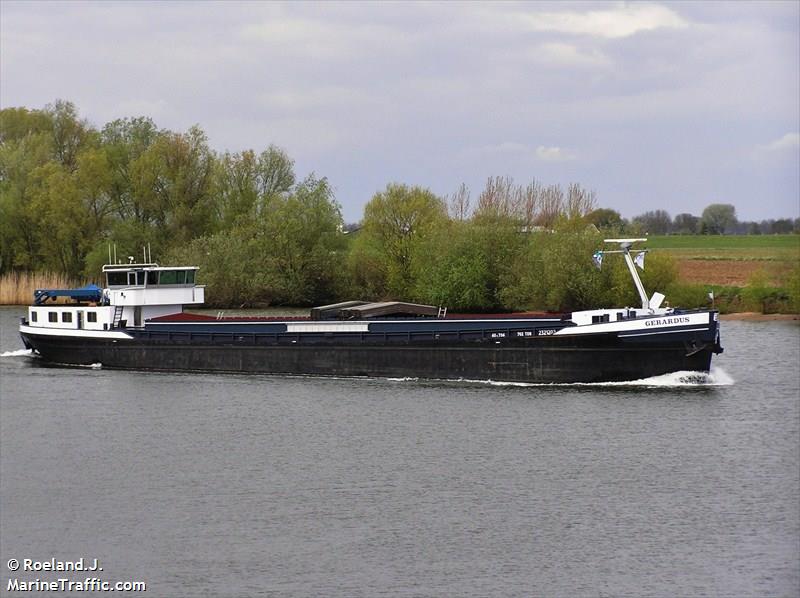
597	258
639	260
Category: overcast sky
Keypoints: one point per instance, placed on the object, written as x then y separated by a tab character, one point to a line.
653	105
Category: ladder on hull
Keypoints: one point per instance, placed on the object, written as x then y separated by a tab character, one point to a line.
117	316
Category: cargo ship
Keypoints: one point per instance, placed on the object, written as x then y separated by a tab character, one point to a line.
139	320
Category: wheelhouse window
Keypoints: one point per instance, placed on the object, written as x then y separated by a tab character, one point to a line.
152	278
34	316
117	279
173	277
91	316
52	316
136	279
66	316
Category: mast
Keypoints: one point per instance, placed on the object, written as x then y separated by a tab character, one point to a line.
625	250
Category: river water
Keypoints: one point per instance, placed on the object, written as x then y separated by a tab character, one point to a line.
227	485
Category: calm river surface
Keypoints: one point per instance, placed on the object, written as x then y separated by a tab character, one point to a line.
226	485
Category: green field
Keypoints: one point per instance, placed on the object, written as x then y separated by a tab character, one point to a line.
724	241
729	247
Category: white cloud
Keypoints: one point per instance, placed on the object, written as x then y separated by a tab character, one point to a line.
512	149
557	54
553	154
620	21
789	142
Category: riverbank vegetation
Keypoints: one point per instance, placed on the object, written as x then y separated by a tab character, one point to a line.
263	236
16	288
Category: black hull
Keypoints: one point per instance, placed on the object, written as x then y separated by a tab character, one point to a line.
554	359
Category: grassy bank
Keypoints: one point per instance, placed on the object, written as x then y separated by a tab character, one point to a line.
16	288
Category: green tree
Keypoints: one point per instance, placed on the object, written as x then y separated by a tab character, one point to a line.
396	223
556	273
656	222
61	218
70	133
19	123
93	179
275	173
289	254
124	140
605	219
457	272
300	237
783	226
717	218
229	267
25	145
247	183
237	188
685	224
172	187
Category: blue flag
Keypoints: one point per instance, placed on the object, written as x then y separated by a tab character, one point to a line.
597	258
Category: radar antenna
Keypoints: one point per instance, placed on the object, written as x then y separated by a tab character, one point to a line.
625	250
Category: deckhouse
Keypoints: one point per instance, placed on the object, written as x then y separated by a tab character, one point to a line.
133	294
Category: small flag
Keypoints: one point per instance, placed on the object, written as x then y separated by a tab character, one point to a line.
639	260
597	258
711	295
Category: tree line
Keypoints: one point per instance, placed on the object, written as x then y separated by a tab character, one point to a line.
716	219
263	236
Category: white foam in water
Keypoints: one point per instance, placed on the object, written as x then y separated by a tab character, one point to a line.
30	353
19	353
91	366
716	377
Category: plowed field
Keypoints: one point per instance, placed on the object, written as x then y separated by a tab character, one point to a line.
730	272
731	260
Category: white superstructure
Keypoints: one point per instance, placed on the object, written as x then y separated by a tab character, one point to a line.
650	307
133	293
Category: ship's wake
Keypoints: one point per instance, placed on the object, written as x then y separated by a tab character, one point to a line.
31	353
18	353
716	377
